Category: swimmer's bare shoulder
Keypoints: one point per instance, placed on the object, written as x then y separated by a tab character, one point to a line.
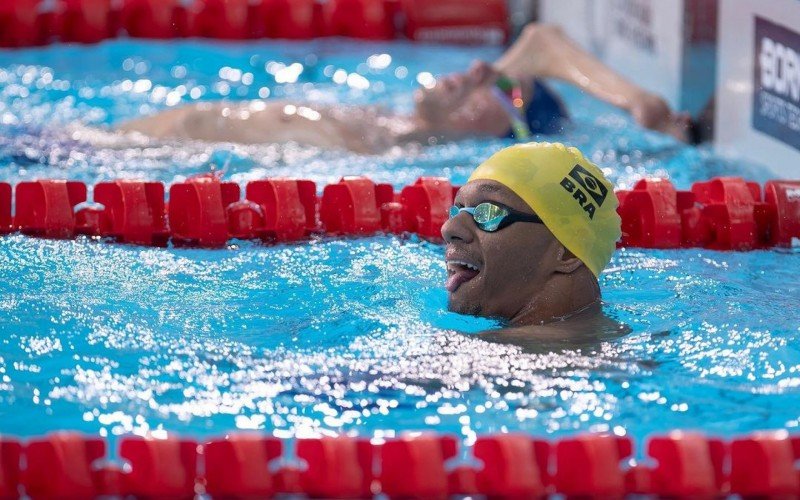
584	329
259	122
160	125
212	121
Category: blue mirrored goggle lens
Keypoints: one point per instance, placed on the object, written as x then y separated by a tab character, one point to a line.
488	212
487	216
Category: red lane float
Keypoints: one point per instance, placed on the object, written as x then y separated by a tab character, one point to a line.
226	19
514	466
86	21
722	214
162	468
160	19
24	24
590	465
726	216
366	19
764	465
245	220
289	207
339	467
352	207
290	19
10	453
134	211
686	465
6	221
45	208
392	217
651	214
456	21
62	465
426	206
783	219
414	466
238	466
207	212
197	215
679	465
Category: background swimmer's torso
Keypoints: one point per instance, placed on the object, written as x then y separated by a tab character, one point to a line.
348	334
358	129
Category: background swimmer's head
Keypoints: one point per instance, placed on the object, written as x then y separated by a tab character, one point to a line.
463	104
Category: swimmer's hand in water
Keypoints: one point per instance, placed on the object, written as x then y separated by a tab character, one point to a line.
653	112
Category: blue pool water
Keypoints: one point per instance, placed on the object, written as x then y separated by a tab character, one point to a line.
349	335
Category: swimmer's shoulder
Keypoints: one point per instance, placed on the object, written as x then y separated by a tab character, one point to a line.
580	331
159	125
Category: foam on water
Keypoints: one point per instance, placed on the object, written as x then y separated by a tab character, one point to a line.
348	335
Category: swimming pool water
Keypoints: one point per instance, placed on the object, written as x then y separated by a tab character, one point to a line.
349	335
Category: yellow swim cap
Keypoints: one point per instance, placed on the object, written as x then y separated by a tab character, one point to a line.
568	192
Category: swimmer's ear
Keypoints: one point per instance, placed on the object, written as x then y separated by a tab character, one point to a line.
567	263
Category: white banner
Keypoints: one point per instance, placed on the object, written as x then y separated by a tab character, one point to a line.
758	100
642	39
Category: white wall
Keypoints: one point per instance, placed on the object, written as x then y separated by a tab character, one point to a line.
642	39
576	17
758	110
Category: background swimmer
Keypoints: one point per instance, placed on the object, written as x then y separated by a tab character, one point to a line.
457	106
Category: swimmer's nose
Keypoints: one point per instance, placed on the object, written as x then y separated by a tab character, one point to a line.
457	229
448	83
453	83
480	72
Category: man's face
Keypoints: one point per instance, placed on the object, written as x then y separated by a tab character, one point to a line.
463	104
496	274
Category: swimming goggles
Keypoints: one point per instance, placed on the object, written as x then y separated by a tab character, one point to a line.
491	217
513	105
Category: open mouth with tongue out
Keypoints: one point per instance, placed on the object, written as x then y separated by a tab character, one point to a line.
460	272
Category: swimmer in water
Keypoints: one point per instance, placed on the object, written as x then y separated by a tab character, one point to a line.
456	107
527	238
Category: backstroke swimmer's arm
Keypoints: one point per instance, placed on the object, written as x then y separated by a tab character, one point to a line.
546	52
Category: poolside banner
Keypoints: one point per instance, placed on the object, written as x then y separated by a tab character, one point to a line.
776	85
757	102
